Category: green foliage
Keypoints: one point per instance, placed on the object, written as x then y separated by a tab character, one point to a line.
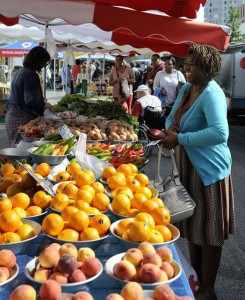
234	23
107	109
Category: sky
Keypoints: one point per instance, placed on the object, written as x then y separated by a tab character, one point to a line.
200	14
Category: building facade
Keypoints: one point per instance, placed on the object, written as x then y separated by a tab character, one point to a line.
217	11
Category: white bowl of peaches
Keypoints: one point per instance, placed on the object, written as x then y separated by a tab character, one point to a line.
145	264
9	269
73	268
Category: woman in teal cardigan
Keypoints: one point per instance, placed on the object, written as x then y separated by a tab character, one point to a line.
197	128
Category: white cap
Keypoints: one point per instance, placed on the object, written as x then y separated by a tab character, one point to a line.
142	88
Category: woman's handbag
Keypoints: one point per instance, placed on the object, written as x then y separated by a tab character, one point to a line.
173	194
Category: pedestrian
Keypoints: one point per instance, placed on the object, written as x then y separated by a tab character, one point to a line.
138	78
97	72
26	101
76	70
66	78
119	75
48	77
157	65
198	131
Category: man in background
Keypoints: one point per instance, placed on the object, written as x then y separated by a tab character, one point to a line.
76	69
157	65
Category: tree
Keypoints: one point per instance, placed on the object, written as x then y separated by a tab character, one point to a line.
234	23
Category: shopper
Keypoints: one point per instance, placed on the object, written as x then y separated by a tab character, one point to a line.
157	65
75	71
26	101
198	130
118	74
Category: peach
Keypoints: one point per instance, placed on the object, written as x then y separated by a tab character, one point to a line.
42	274
164	276
152	258
168	268
134	255
124	270
4	274
146	247
50	289
114	296
91	266
49	258
67	264
84	252
23	291
136	278
132	291
68	248
59	277
163	292
182	298
165	254
82	296
7	258
77	276
55	246
150	273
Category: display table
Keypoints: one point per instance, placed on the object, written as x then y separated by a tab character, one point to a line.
104	284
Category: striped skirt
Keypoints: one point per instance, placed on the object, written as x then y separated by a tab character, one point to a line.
213	219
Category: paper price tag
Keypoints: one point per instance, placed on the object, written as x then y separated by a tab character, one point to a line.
65	132
45	184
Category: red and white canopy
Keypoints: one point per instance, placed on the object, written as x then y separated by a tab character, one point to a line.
122	25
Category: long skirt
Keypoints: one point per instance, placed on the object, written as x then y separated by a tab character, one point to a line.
213	219
13	119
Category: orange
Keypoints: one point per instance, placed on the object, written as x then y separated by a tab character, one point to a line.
68	234
20	211
146	218
60	201
26	231
90	173
16	177
161	215
61	187
22	169
125	235
145	190
43	169
116	191
33	210
82	205
134	168
122	226
89	188
93	211
66	213
165	231
21	200
9	221
7	169
101	201
52	224
73	169
70	189
115	181
159	201
142	178
133	212
108	171
121	204
41	199
125	169
9	237
98	187
28	181
85	195
133	184
5	204
78	220
155	237
62	176
83	178
126	191
120	174
139	232
101	222
89	234
148	206
137	200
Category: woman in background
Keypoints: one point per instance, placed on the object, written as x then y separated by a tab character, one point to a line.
26	101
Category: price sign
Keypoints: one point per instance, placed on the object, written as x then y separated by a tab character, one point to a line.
45	184
65	132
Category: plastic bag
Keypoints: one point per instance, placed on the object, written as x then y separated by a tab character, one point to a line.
89	161
125	88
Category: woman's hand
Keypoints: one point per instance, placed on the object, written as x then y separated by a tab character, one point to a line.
171	140
163	92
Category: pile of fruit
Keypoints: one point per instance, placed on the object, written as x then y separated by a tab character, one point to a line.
7	264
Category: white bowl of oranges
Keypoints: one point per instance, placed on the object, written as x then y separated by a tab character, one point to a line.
76	227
